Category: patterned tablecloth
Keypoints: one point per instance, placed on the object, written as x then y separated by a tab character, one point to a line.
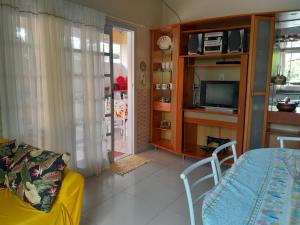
258	189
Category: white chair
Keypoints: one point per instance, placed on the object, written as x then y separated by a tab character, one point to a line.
220	149
281	139
190	184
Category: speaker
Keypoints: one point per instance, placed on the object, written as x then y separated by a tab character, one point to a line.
237	41
195	44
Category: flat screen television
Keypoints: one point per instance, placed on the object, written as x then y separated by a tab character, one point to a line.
224	94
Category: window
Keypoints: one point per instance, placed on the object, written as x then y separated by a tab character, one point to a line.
292	65
290	60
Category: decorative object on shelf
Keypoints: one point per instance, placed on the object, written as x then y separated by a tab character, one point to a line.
157	86
286	105
287	38
165	86
165	99
164	42
166	66
165	124
215	142
279	79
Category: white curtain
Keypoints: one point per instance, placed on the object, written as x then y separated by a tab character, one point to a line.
51	78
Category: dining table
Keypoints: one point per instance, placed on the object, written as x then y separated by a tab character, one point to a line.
262	187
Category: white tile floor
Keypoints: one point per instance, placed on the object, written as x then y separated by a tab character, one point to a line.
150	195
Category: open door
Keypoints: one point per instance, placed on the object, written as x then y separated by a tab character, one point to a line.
119	89
108	88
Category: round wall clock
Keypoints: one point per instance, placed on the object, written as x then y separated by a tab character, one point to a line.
164	42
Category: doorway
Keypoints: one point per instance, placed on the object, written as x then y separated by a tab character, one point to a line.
123	64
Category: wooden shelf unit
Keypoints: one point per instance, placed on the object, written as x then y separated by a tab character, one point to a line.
196	151
163	144
283	119
163	71
200	110
224	124
216	29
215	65
162	106
214	55
184	129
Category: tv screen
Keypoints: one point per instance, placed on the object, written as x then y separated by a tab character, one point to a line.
220	94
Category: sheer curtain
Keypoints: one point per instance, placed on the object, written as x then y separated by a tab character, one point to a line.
51	78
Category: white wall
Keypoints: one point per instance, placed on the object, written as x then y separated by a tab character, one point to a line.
198	9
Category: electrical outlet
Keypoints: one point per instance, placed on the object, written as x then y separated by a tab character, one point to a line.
221	76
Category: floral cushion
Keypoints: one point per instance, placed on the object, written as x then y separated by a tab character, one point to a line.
6	155
35	175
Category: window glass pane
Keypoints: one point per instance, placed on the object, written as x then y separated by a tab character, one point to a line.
77	87
80	151
97	66
77	63
76	38
99	112
292	66
78	111
79	134
21	34
104	45
98	88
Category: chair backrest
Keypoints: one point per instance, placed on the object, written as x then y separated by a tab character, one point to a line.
281	139
190	184
231	146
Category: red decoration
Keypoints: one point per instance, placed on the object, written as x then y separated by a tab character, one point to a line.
121	84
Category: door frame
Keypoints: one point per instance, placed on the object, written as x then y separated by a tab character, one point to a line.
131	87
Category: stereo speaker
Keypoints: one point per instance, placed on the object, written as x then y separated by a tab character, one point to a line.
237	41
195	44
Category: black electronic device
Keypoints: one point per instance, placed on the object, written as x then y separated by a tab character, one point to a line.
229	62
215	42
237	41
224	94
195	44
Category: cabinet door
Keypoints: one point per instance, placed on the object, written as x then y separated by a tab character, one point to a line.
261	48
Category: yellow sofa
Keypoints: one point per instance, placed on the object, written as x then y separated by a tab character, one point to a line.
66	209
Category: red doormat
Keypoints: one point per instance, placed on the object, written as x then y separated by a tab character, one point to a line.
118	154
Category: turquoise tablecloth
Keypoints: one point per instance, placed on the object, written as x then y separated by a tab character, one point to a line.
258	189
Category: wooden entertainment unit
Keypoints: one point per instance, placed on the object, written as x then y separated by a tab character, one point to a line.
190	126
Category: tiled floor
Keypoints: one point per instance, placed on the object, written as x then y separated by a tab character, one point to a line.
150	195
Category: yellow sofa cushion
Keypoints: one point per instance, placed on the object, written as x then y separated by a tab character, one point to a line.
66	209
4	141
